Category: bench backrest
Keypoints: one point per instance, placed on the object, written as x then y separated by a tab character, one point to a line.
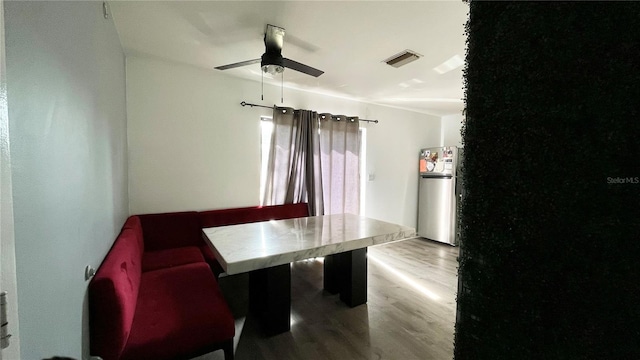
245	215
171	230
113	293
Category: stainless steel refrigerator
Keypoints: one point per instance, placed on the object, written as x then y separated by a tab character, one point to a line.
439	194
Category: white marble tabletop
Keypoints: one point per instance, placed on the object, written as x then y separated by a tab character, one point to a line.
245	247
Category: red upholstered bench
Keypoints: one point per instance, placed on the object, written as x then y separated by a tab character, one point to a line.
174	310
213	218
170	239
155	296
176	238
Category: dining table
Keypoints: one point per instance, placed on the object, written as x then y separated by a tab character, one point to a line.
266	250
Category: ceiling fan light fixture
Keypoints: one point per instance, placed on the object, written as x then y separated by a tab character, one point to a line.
402	58
272	69
272	63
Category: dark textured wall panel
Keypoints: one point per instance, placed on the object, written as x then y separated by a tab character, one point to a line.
551	218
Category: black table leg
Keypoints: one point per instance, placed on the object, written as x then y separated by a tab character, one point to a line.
347	273
270	298
354	265
332	278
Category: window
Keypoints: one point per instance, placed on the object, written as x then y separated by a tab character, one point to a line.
266	128
363	168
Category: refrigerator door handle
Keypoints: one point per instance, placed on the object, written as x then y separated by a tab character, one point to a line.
436	176
455	189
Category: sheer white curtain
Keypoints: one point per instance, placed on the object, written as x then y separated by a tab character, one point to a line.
315	159
340	159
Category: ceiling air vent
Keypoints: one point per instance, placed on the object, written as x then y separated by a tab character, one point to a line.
403	58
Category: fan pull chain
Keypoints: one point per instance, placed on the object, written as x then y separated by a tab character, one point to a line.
282	87
262	77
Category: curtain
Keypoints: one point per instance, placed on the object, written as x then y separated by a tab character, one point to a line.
294	171
340	159
315	159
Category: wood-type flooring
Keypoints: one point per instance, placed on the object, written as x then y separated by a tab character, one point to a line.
410	312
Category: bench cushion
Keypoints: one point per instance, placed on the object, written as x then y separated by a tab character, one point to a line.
171	230
113	294
180	311
154	260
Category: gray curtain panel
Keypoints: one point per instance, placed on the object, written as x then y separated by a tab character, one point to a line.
294	171
340	159
315	159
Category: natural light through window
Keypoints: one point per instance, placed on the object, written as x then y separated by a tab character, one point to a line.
266	127
428	293
363	169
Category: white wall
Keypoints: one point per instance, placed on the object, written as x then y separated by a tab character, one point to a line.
393	148
451	125
67	122
8	279
193	147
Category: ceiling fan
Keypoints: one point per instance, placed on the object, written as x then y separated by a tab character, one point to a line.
272	61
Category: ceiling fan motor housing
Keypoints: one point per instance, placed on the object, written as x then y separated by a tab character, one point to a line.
272	62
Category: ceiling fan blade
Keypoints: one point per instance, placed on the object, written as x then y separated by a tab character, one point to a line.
294	65
273	39
238	64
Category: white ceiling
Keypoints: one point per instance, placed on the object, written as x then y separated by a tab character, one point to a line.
348	40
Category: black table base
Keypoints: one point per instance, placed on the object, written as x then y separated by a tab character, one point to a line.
270	298
270	288
346	273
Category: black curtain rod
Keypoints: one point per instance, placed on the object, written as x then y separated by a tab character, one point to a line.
271	107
